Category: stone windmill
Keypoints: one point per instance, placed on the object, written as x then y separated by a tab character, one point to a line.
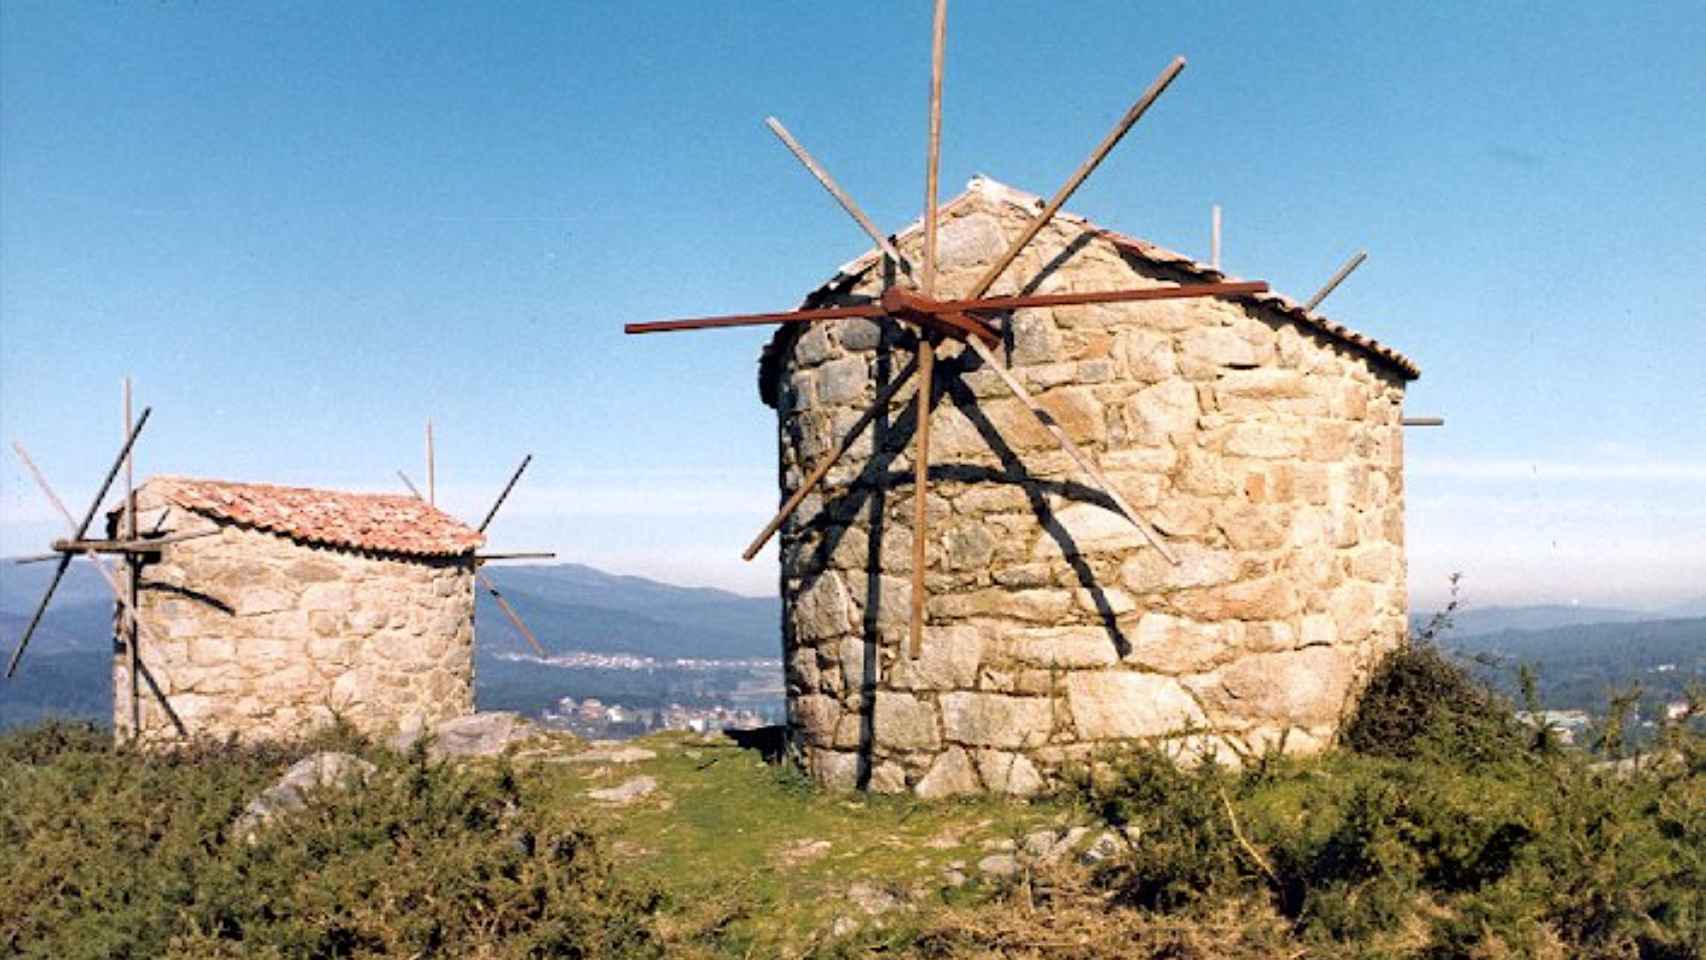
1045	616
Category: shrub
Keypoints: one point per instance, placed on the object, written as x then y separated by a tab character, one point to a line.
1417	701
112	853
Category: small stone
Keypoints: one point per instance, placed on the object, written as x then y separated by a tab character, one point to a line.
999	865
626	792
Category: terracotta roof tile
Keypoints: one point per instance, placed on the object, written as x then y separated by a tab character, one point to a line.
384	523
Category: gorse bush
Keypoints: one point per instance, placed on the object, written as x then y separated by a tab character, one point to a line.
1418	701
1448	830
111	853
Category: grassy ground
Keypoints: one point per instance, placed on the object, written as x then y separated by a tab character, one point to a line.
752	853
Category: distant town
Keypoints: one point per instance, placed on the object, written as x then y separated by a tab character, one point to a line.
595	719
588	659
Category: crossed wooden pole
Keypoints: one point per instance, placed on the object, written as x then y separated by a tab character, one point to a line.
123	596
485	581
939	320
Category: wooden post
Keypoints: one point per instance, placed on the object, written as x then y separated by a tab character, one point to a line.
1084	170
926	348
432	474
1422	422
1214	239
1338	278
835	191
134	565
1078	456
810	483
505	494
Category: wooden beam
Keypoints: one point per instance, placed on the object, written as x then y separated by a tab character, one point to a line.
817	170
1078	456
1422	422
1214	238
1338	278
77	534
508	611
810	483
485	581
431	468
138	545
135	578
505	494
927	348
1078	177
487	557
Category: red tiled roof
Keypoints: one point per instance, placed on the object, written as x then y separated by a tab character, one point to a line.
380	522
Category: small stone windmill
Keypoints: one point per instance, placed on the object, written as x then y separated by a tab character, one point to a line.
959	319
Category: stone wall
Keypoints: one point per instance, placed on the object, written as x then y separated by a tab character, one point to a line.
265	637
1268	454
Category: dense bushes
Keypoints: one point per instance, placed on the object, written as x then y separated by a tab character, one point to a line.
107	853
1448	830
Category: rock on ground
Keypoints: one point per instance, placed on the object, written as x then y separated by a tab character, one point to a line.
475	735
321	770
610	755
626	792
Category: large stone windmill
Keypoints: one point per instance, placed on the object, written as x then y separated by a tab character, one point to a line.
1146	502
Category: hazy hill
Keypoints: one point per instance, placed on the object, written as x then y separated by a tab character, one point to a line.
573	607
1580	665
1469	621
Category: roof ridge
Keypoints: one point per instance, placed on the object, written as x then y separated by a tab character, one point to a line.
985	186
380	522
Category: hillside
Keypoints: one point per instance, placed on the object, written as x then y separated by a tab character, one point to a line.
691	846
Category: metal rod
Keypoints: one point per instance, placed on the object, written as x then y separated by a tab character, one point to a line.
1422	422
1084	170
77	534
1214	239
1078	456
505	495
753	319
1338	278
410	484
816	476
817	170
536	555
1101	296
101	567
978	302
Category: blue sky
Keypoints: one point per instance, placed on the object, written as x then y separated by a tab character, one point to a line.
305	228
